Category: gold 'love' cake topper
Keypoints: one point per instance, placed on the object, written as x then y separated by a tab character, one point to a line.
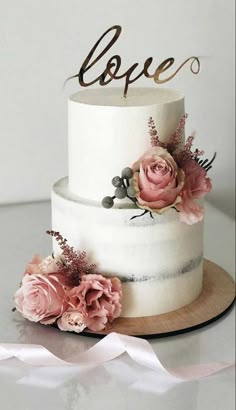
114	63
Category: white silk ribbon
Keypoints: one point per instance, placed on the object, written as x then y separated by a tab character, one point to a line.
110	347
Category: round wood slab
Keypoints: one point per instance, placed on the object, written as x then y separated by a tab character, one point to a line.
218	295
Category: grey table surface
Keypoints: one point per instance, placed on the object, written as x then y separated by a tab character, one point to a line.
115	385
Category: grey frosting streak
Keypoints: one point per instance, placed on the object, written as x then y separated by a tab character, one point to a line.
188	267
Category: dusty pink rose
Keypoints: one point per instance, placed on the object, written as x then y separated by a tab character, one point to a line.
43	266
97	299
157	180
71	321
197	184
41	298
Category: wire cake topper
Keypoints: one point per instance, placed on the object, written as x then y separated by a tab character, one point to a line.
114	63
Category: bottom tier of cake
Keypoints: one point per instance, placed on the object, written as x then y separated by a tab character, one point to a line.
158	260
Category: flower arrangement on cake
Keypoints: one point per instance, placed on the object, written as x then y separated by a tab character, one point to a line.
168	175
67	291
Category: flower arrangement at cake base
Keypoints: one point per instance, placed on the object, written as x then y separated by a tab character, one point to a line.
67	291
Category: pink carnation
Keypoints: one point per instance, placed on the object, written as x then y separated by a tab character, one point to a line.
197	184
97	299
41	298
157	180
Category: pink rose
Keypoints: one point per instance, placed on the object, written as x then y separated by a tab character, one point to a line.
41	298
43	266
97	299
197	184
157	180
72	321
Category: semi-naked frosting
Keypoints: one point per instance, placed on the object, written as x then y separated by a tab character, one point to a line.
159	259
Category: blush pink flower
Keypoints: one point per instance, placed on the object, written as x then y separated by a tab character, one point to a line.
98	299
72	321
157	180
197	184
43	266
33	265
41	298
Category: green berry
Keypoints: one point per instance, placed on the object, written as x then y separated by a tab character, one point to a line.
120	192
127	173
107	202
131	192
117	182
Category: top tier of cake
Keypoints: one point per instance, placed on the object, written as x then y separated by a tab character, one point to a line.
108	132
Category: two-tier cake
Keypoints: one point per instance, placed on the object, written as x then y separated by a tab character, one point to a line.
127	222
157	257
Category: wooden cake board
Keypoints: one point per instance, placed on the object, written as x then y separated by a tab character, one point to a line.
216	298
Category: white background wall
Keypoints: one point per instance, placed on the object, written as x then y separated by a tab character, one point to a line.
42	42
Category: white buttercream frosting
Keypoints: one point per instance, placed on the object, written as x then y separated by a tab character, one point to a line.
108	132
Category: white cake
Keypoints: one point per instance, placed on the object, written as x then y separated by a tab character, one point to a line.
159	259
